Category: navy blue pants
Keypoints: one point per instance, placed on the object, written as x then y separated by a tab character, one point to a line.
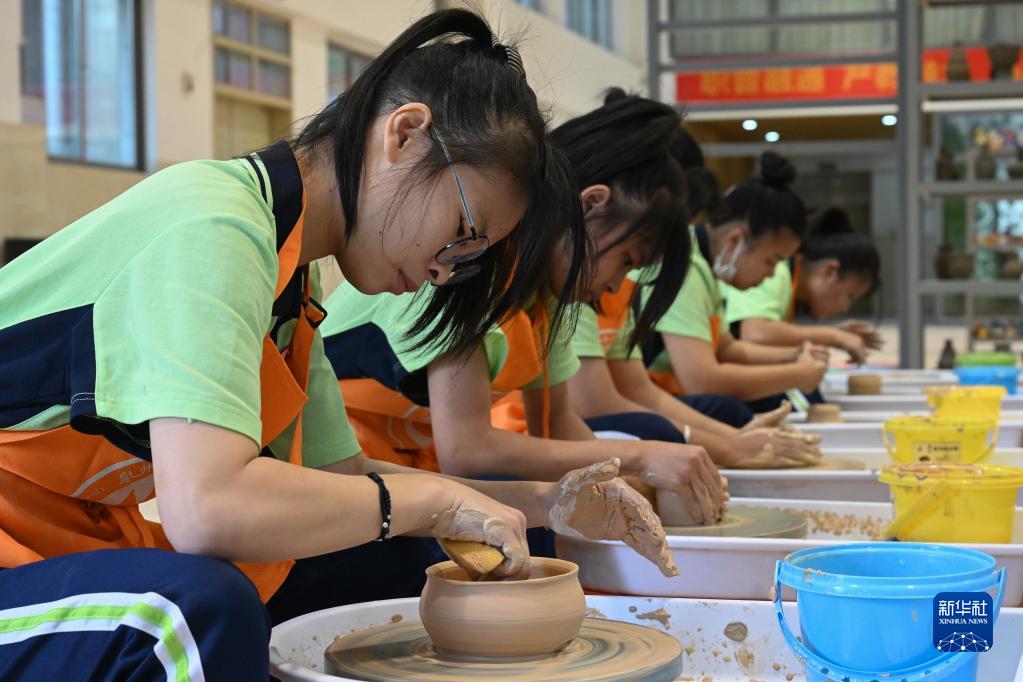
642	425
131	614
774	402
727	409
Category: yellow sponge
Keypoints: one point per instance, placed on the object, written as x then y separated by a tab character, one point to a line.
475	557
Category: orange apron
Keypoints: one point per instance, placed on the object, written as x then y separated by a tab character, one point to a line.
392	428
64	491
791	314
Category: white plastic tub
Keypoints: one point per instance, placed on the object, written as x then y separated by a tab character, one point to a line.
898	404
851	486
296	647
869	435
742	568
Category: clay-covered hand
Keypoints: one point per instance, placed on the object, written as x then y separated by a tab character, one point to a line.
785	447
810	367
688	472
851	343
768	419
593	503
871	337
478	518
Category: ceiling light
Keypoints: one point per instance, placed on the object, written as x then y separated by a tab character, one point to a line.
889	120
749	124
772	136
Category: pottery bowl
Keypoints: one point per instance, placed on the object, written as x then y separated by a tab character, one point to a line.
824	413
506	618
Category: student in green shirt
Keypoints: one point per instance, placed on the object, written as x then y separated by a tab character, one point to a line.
613	392
166	344
834	267
434	408
757	224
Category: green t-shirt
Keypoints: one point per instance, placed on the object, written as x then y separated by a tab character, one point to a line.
592	340
156	305
697	303
770	300
365	337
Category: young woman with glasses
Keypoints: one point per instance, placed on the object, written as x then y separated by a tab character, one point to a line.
165	341
417	403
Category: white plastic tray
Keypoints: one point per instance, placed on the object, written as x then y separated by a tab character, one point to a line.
868	435
893	381
852	486
742	568
903	403
296	647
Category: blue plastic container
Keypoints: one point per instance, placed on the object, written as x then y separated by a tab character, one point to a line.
1006	376
866	610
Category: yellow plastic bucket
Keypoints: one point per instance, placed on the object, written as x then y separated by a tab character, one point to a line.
966	402
976	502
938	439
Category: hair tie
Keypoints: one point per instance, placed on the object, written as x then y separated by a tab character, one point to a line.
509	55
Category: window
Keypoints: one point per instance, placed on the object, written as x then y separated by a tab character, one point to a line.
343	67
252	51
591	18
531	4
31	75
89	80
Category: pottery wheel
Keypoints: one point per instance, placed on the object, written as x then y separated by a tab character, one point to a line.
604	650
749	522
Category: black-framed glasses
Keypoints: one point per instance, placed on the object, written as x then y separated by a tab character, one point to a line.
462	252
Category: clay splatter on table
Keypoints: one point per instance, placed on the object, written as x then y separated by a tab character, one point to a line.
737	631
660	615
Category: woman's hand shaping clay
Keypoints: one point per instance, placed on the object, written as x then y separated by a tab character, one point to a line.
774	449
478	518
687	474
593	503
769	419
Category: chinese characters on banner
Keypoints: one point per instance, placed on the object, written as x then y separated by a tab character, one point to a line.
837	82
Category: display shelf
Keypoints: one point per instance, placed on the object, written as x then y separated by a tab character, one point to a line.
975	287
999	189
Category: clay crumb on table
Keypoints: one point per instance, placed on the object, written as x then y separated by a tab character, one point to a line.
660	615
737	631
595	613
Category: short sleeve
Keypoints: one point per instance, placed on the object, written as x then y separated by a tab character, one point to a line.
768	301
619	347
691	312
179	331
586	339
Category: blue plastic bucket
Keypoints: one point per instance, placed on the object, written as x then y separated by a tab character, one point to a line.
866	610
989	376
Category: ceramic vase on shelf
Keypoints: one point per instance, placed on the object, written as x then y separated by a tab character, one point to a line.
1003	57
945	166
958	65
1016	167
984	166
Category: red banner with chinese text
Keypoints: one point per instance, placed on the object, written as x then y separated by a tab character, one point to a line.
836	82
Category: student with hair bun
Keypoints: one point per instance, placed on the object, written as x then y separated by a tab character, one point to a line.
757	224
614	392
834	267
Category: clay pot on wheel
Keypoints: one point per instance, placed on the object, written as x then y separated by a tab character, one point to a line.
1003	57
864	384
502	619
958	65
824	413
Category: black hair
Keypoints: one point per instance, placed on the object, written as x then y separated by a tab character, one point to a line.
701	185
625	144
490	119
765	201
831	235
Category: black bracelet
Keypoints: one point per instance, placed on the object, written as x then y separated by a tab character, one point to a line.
385	505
